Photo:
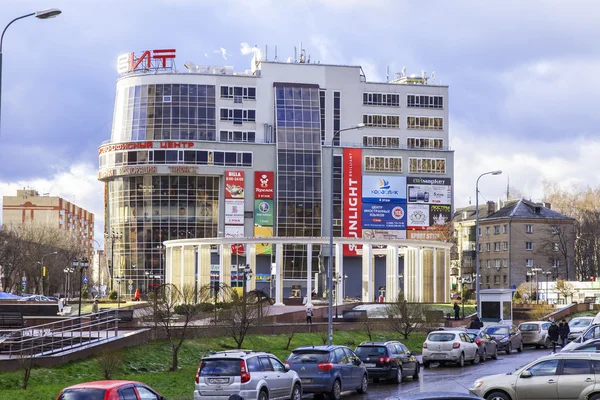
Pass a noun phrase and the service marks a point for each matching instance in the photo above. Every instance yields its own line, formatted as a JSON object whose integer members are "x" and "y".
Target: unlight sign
{"x": 352, "y": 184}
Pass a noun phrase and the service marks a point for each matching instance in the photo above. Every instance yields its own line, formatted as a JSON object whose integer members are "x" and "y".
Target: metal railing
{"x": 68, "y": 334}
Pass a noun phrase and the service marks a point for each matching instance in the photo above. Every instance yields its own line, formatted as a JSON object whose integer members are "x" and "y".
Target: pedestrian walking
{"x": 553, "y": 334}
{"x": 564, "y": 331}
{"x": 456, "y": 310}
{"x": 476, "y": 324}
{"x": 309, "y": 314}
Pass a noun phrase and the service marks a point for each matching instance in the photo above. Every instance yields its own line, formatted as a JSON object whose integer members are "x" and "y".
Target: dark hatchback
{"x": 388, "y": 360}
{"x": 506, "y": 336}
{"x": 328, "y": 370}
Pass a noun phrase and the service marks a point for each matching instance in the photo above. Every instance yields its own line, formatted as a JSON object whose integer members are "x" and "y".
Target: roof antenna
{"x": 266, "y": 52}
{"x": 387, "y": 74}
{"x": 469, "y": 200}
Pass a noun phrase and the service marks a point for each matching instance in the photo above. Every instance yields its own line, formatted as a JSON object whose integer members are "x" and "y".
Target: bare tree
{"x": 557, "y": 244}
{"x": 564, "y": 289}
{"x": 26, "y": 363}
{"x": 109, "y": 361}
{"x": 244, "y": 313}
{"x": 291, "y": 331}
{"x": 404, "y": 317}
{"x": 366, "y": 325}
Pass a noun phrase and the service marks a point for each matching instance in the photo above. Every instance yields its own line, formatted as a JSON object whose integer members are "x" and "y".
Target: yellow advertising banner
{"x": 263, "y": 231}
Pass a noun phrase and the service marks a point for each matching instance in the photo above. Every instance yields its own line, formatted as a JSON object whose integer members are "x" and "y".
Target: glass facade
{"x": 298, "y": 130}
{"x": 337, "y": 195}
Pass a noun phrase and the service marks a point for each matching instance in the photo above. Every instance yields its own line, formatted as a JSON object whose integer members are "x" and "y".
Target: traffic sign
{"x": 130, "y": 282}
{"x": 85, "y": 279}
{"x": 24, "y": 282}
{"x": 130, "y": 288}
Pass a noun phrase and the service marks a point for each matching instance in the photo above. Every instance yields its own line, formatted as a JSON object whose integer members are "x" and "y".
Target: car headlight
{"x": 504, "y": 339}
{"x": 476, "y": 384}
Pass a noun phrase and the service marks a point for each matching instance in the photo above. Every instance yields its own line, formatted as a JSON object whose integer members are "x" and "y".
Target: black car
{"x": 507, "y": 336}
{"x": 388, "y": 360}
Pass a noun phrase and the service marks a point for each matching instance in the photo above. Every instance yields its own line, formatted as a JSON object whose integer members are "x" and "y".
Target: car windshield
{"x": 497, "y": 330}
{"x": 579, "y": 323}
{"x": 308, "y": 357}
{"x": 441, "y": 337}
{"x": 528, "y": 327}
{"x": 82, "y": 394}
{"x": 370, "y": 351}
{"x": 220, "y": 367}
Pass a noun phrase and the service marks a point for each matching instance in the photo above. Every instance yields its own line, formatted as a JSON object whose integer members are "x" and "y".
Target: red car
{"x": 109, "y": 390}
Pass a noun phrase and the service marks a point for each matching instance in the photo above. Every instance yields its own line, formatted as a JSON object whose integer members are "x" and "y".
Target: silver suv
{"x": 249, "y": 374}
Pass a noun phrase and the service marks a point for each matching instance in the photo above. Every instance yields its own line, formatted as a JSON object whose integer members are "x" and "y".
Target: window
{"x": 425, "y": 143}
{"x": 504, "y": 246}
{"x": 487, "y": 230}
{"x": 488, "y": 247}
{"x": 554, "y": 230}
{"x": 479, "y": 232}
{"x": 576, "y": 367}
{"x": 381, "y": 99}
{"x": 424, "y": 101}
{"x": 146, "y": 394}
{"x": 427, "y": 165}
{"x": 488, "y": 263}
{"x": 555, "y": 263}
{"x": 505, "y": 263}
{"x": 337, "y": 110}
{"x": 235, "y": 92}
{"x": 237, "y": 116}
{"x": 237, "y": 136}
{"x": 528, "y": 245}
{"x": 277, "y": 365}
{"x": 430, "y": 123}
{"x": 504, "y": 228}
{"x": 505, "y": 279}
{"x": 383, "y": 164}
{"x": 381, "y": 141}
{"x": 127, "y": 394}
{"x": 497, "y": 230}
{"x": 528, "y": 228}
{"x": 322, "y": 112}
{"x": 487, "y": 279}
{"x": 497, "y": 263}
{"x": 339, "y": 356}
{"x": 496, "y": 279}
{"x": 544, "y": 368}
{"x": 496, "y": 246}
{"x": 529, "y": 262}
{"x": 555, "y": 247}
{"x": 479, "y": 249}
{"x": 381, "y": 121}
{"x": 266, "y": 364}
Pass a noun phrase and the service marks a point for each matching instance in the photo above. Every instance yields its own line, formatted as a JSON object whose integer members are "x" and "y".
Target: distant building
{"x": 29, "y": 206}
{"x": 517, "y": 242}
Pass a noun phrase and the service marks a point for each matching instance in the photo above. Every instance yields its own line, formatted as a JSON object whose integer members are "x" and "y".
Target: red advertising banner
{"x": 234, "y": 184}
{"x": 238, "y": 249}
{"x": 264, "y": 184}
{"x": 352, "y": 195}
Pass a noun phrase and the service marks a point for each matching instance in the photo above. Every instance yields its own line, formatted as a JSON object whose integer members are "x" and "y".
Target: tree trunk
{"x": 26, "y": 375}
{"x": 175, "y": 360}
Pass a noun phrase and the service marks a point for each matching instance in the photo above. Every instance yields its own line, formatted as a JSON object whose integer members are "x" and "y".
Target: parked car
{"x": 249, "y": 374}
{"x": 388, "y": 360}
{"x": 449, "y": 346}
{"x": 578, "y": 325}
{"x": 507, "y": 337}
{"x": 486, "y": 343}
{"x": 35, "y": 297}
{"x": 101, "y": 390}
{"x": 557, "y": 376}
{"x": 535, "y": 333}
{"x": 329, "y": 370}
{"x": 592, "y": 332}
{"x": 440, "y": 396}
{"x": 590, "y": 346}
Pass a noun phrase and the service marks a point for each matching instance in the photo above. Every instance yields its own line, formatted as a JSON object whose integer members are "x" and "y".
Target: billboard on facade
{"x": 384, "y": 234}
{"x": 238, "y": 249}
{"x": 424, "y": 235}
{"x": 234, "y": 231}
{"x": 417, "y": 216}
{"x": 352, "y": 201}
{"x": 264, "y": 184}
{"x": 383, "y": 216}
{"x": 383, "y": 189}
{"x": 429, "y": 190}
{"x": 263, "y": 212}
{"x": 439, "y": 215}
{"x": 234, "y": 212}
{"x": 263, "y": 231}
{"x": 234, "y": 184}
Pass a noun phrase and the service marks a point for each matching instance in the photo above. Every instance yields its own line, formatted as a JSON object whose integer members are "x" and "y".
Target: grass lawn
{"x": 449, "y": 308}
{"x": 588, "y": 313}
{"x": 149, "y": 363}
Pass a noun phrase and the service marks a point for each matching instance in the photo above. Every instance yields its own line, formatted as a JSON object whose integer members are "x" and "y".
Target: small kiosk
{"x": 496, "y": 306}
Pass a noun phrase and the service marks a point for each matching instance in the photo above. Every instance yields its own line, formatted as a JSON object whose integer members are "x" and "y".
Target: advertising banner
{"x": 263, "y": 212}
{"x": 383, "y": 189}
{"x": 429, "y": 190}
{"x": 424, "y": 235}
{"x": 234, "y": 184}
{"x": 384, "y": 234}
{"x": 417, "y": 216}
{"x": 352, "y": 203}
{"x": 234, "y": 231}
{"x": 238, "y": 249}
{"x": 263, "y": 231}
{"x": 234, "y": 212}
{"x": 439, "y": 215}
{"x": 383, "y": 216}
{"x": 264, "y": 184}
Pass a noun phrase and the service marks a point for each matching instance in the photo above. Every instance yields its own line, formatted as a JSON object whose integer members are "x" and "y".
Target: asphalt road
{"x": 449, "y": 377}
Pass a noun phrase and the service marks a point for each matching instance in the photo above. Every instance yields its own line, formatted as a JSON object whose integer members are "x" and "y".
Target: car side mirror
{"x": 357, "y": 361}
{"x": 286, "y": 368}
{"x": 526, "y": 374}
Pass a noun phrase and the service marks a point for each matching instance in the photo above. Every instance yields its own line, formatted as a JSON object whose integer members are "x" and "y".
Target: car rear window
{"x": 370, "y": 351}
{"x": 220, "y": 367}
{"x": 497, "y": 330}
{"x": 528, "y": 327}
{"x": 83, "y": 394}
{"x": 579, "y": 322}
{"x": 441, "y": 337}
{"x": 308, "y": 356}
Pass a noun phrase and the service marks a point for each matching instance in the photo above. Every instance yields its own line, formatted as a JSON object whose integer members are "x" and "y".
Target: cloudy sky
{"x": 522, "y": 77}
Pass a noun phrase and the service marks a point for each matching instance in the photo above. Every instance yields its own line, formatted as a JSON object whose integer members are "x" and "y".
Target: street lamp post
{"x": 45, "y": 272}
{"x": 477, "y": 278}
{"x": 247, "y": 274}
{"x": 112, "y": 236}
{"x": 547, "y": 273}
{"x": 82, "y": 264}
{"x": 537, "y": 284}
{"x": 68, "y": 271}
{"x": 44, "y": 14}
{"x": 330, "y": 270}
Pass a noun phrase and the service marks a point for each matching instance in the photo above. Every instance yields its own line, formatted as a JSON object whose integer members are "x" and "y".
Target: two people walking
{"x": 556, "y": 332}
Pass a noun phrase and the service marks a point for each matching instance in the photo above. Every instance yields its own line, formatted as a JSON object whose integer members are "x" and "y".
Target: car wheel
{"x": 461, "y": 360}
{"x": 508, "y": 349}
{"x": 495, "y": 355}
{"x": 336, "y": 391}
{"x": 296, "y": 393}
{"x": 595, "y": 397}
{"x": 497, "y": 396}
{"x": 476, "y": 359}
{"x": 520, "y": 348}
{"x": 365, "y": 383}
{"x": 263, "y": 395}
{"x": 398, "y": 378}
{"x": 426, "y": 364}
{"x": 416, "y": 374}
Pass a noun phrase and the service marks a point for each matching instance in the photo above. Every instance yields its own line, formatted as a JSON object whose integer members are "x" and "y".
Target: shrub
{"x": 113, "y": 295}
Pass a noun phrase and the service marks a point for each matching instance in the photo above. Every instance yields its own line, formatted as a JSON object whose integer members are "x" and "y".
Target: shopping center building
{"x": 205, "y": 160}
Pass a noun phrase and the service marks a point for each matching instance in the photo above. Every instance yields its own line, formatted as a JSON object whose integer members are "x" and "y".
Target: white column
{"x": 391, "y": 273}
{"x": 182, "y": 269}
{"x": 278, "y": 274}
{"x": 168, "y": 265}
{"x": 339, "y": 269}
{"x": 446, "y": 267}
{"x": 367, "y": 273}
{"x": 419, "y": 275}
{"x": 435, "y": 299}
{"x": 309, "y": 274}
{"x": 251, "y": 259}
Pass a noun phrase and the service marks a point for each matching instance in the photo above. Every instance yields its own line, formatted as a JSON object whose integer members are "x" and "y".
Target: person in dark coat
{"x": 553, "y": 334}
{"x": 564, "y": 331}
{"x": 476, "y": 324}
{"x": 456, "y": 310}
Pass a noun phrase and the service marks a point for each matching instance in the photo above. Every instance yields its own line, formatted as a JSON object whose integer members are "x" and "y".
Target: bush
{"x": 113, "y": 295}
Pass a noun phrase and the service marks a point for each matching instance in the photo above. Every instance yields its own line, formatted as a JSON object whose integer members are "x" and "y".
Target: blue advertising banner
{"x": 383, "y": 216}
{"x": 383, "y": 189}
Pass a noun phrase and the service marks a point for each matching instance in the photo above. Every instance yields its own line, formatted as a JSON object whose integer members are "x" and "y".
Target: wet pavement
{"x": 449, "y": 377}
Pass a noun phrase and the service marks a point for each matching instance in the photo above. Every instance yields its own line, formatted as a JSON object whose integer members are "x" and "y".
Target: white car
{"x": 535, "y": 333}
{"x": 450, "y": 346}
{"x": 578, "y": 325}
{"x": 35, "y": 297}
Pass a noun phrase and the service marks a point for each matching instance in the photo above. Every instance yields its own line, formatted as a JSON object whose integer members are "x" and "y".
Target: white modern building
{"x": 209, "y": 156}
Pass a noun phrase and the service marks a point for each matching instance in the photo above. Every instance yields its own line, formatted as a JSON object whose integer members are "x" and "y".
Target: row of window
{"x": 198, "y": 157}
{"x": 425, "y": 143}
{"x": 237, "y": 136}
{"x": 427, "y": 165}
{"x": 381, "y": 99}
{"x": 393, "y": 121}
{"x": 412, "y": 100}
{"x": 381, "y": 121}
{"x": 238, "y": 115}
{"x": 383, "y": 164}
{"x": 497, "y": 279}
{"x": 232, "y": 92}
{"x": 497, "y": 247}
{"x": 433, "y": 123}
{"x": 424, "y": 101}
{"x": 528, "y": 229}
{"x": 393, "y": 142}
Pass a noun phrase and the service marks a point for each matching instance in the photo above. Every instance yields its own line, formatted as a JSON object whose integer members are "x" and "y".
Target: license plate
{"x": 439, "y": 355}
{"x": 370, "y": 365}
{"x": 218, "y": 380}
{"x": 306, "y": 380}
